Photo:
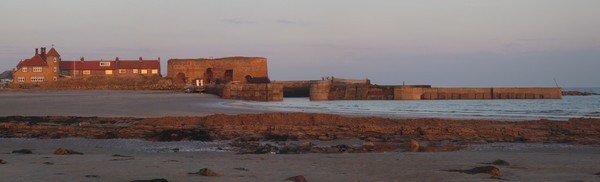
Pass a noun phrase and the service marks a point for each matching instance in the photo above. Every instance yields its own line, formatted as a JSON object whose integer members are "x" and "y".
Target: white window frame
{"x": 104, "y": 63}
{"x": 135, "y": 71}
{"x": 24, "y": 69}
{"x": 37, "y": 79}
{"x": 37, "y": 69}
{"x": 21, "y": 79}
{"x": 122, "y": 71}
{"x": 55, "y": 79}
{"x": 144, "y": 71}
{"x": 87, "y": 72}
{"x": 154, "y": 71}
{"x": 108, "y": 72}
{"x": 55, "y": 69}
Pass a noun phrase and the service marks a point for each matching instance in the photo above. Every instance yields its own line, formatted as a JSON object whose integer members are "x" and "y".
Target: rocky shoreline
{"x": 244, "y": 130}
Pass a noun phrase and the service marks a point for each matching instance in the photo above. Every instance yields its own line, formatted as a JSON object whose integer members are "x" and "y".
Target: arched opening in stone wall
{"x": 181, "y": 76}
{"x": 208, "y": 75}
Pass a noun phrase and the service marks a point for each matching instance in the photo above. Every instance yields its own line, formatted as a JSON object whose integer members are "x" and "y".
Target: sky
{"x": 451, "y": 43}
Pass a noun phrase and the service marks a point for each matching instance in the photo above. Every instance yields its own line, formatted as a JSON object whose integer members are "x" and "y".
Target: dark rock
{"x": 298, "y": 178}
{"x": 205, "y": 172}
{"x": 491, "y": 170}
{"x": 241, "y": 169}
{"x": 2, "y": 161}
{"x": 501, "y": 162}
{"x": 119, "y": 155}
{"x": 199, "y": 134}
{"x": 91, "y": 176}
{"x": 151, "y": 180}
{"x": 48, "y": 163}
{"x": 63, "y": 151}
{"x": 22, "y": 151}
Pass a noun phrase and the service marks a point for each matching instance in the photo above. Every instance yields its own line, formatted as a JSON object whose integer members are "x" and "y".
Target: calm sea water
{"x": 559, "y": 109}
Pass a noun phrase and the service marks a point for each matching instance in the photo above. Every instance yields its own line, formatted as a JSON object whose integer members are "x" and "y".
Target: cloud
{"x": 237, "y": 21}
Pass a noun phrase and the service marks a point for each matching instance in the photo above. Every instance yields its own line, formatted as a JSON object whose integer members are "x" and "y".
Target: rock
{"x": 298, "y": 178}
{"x": 63, "y": 151}
{"x": 2, "y": 161}
{"x": 205, "y": 172}
{"x": 491, "y": 170}
{"x": 151, "y": 180}
{"x": 500, "y": 162}
{"x": 412, "y": 146}
{"x": 91, "y": 176}
{"x": 48, "y": 163}
{"x": 22, "y": 151}
{"x": 305, "y": 145}
{"x": 241, "y": 169}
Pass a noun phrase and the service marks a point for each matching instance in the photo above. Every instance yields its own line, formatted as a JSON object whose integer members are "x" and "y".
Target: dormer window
{"x": 37, "y": 69}
{"x": 104, "y": 63}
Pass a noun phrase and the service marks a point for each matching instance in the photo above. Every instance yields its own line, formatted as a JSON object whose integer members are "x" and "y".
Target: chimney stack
{"x": 36, "y": 51}
{"x": 43, "y": 50}
{"x": 117, "y": 59}
{"x": 140, "y": 58}
{"x": 81, "y": 59}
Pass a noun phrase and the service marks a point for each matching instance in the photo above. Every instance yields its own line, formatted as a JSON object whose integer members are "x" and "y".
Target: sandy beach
{"x": 536, "y": 150}
{"x": 550, "y": 163}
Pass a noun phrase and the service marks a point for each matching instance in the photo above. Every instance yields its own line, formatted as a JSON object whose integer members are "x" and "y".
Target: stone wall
{"x": 326, "y": 90}
{"x": 196, "y": 69}
{"x": 420, "y": 93}
{"x": 254, "y": 92}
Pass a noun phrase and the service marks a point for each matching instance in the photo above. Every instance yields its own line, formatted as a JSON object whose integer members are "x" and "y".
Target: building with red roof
{"x": 49, "y": 66}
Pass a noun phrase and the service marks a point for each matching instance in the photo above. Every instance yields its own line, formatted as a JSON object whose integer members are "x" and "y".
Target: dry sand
{"x": 542, "y": 163}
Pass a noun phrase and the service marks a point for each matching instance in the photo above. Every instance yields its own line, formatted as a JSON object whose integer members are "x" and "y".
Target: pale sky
{"x": 444, "y": 43}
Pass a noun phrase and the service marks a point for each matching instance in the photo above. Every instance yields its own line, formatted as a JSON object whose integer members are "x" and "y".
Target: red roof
{"x": 95, "y": 65}
{"x": 133, "y": 64}
{"x": 53, "y": 52}
{"x": 36, "y": 60}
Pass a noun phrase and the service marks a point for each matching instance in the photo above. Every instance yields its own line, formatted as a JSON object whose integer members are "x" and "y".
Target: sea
{"x": 518, "y": 109}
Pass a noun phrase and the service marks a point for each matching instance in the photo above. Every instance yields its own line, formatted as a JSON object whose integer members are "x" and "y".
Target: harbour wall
{"x": 328, "y": 90}
{"x": 253, "y": 92}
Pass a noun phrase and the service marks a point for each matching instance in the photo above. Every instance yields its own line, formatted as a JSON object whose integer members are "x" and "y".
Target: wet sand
{"x": 115, "y": 104}
{"x": 553, "y": 163}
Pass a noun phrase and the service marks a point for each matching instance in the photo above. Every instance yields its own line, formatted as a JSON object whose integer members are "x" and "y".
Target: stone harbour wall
{"x": 254, "y": 92}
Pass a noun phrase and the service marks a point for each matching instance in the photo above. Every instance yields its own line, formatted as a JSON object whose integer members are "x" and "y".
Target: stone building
{"x": 50, "y": 67}
{"x": 229, "y": 69}
{"x": 39, "y": 68}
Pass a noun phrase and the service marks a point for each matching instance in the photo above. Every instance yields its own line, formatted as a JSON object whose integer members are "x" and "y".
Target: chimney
{"x": 159, "y": 59}
{"x": 117, "y": 59}
{"x": 43, "y": 50}
{"x": 140, "y": 58}
{"x": 36, "y": 51}
{"x": 81, "y": 59}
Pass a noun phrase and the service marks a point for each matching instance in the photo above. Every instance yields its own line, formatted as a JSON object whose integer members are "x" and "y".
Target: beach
{"x": 143, "y": 135}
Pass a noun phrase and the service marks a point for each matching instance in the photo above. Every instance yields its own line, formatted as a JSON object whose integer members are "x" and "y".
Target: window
{"x": 154, "y": 71}
{"x": 104, "y": 63}
{"x": 135, "y": 71}
{"x": 144, "y": 71}
{"x": 55, "y": 69}
{"x": 121, "y": 71}
{"x": 24, "y": 69}
{"x": 75, "y": 72}
{"x": 54, "y": 78}
{"x": 86, "y": 72}
{"x": 55, "y": 59}
{"x": 108, "y": 72}
{"x": 63, "y": 72}
{"x": 37, "y": 69}
{"x": 21, "y": 79}
{"x": 37, "y": 79}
